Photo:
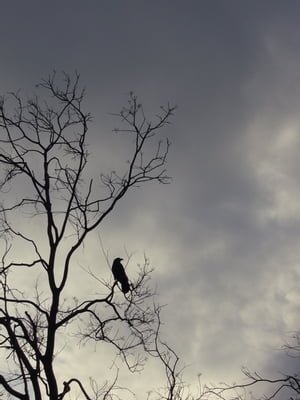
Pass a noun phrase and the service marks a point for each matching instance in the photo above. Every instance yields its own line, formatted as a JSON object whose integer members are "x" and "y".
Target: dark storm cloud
{"x": 224, "y": 235}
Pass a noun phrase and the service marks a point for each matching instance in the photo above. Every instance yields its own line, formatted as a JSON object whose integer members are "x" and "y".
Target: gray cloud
{"x": 224, "y": 235}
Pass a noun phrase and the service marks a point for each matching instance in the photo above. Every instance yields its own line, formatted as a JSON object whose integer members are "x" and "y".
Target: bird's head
{"x": 118, "y": 259}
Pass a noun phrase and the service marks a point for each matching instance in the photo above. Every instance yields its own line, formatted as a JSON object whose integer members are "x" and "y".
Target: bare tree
{"x": 43, "y": 155}
{"x": 258, "y": 385}
{"x": 175, "y": 387}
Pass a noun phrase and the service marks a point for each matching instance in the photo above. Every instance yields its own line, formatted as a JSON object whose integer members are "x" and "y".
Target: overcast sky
{"x": 224, "y": 236}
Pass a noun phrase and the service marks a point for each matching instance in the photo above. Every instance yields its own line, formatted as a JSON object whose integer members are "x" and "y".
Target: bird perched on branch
{"x": 120, "y": 274}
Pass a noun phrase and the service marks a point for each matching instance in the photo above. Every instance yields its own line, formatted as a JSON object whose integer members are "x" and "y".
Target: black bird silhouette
{"x": 120, "y": 274}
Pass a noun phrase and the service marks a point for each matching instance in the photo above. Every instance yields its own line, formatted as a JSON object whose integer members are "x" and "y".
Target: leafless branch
{"x": 43, "y": 159}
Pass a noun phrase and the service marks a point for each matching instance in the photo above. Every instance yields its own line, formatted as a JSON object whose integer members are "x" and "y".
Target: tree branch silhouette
{"x": 43, "y": 157}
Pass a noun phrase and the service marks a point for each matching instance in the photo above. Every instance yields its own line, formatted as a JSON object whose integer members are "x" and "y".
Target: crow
{"x": 120, "y": 274}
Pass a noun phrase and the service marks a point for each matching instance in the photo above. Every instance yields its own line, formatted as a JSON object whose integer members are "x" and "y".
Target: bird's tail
{"x": 125, "y": 286}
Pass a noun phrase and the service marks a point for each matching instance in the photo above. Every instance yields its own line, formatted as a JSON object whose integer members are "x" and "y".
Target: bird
{"x": 120, "y": 274}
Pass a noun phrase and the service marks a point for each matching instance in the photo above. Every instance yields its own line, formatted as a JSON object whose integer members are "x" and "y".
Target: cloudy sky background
{"x": 224, "y": 236}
